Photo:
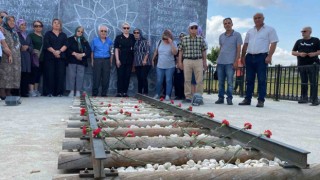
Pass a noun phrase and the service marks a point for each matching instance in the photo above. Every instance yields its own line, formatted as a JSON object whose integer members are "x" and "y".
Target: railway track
{"x": 143, "y": 138}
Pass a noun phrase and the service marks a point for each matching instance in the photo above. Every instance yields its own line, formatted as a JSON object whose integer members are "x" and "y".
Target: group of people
{"x": 180, "y": 65}
{"x": 257, "y": 51}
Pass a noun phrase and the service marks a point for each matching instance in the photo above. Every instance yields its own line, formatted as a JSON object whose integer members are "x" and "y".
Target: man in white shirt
{"x": 259, "y": 45}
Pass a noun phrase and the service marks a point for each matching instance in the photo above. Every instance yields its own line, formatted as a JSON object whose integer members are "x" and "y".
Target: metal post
{"x": 277, "y": 85}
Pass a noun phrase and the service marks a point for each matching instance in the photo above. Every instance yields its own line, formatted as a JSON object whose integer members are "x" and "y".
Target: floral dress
{"x": 10, "y": 74}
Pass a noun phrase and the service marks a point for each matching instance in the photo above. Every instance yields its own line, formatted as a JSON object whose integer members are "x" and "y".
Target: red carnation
{"x": 194, "y": 133}
{"x": 109, "y": 105}
{"x": 210, "y": 114}
{"x": 96, "y": 132}
{"x": 127, "y": 113}
{"x": 172, "y": 101}
{"x": 129, "y": 134}
{"x": 247, "y": 125}
{"x": 190, "y": 108}
{"x": 104, "y": 118}
{"x": 138, "y": 109}
{"x": 82, "y": 111}
{"x": 106, "y": 112}
{"x": 84, "y": 94}
{"x": 135, "y": 106}
{"x": 139, "y": 101}
{"x": 225, "y": 123}
{"x": 179, "y": 105}
{"x": 84, "y": 130}
{"x": 121, "y": 111}
{"x": 161, "y": 99}
{"x": 267, "y": 133}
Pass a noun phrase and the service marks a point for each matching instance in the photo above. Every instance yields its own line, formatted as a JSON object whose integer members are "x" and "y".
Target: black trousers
{"x": 24, "y": 84}
{"x": 239, "y": 83}
{"x": 123, "y": 73}
{"x": 101, "y": 74}
{"x": 54, "y": 76}
{"x": 142, "y": 76}
{"x": 309, "y": 74}
{"x": 178, "y": 83}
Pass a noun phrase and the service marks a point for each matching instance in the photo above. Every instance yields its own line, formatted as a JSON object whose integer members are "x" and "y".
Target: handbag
{"x": 157, "y": 56}
{"x": 36, "y": 57}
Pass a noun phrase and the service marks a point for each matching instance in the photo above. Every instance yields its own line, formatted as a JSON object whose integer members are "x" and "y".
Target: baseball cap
{"x": 193, "y": 24}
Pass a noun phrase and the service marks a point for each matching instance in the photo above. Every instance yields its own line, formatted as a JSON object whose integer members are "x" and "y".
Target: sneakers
{"x": 245, "y": 102}
{"x": 32, "y": 94}
{"x": 37, "y": 93}
{"x": 303, "y": 101}
{"x": 229, "y": 102}
{"x": 167, "y": 98}
{"x": 315, "y": 103}
{"x": 220, "y": 101}
{"x": 260, "y": 104}
{"x": 71, "y": 94}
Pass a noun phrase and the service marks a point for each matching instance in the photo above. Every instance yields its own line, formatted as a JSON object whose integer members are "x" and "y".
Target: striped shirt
{"x": 192, "y": 47}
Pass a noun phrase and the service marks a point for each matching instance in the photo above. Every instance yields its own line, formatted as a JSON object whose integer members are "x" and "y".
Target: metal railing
{"x": 283, "y": 82}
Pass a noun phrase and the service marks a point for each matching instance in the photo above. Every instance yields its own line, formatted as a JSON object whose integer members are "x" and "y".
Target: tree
{"x": 213, "y": 55}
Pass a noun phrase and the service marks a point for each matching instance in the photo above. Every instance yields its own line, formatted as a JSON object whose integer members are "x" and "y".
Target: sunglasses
{"x": 80, "y": 31}
{"x": 127, "y": 28}
{"x": 303, "y": 31}
{"x": 103, "y": 30}
{"x": 136, "y": 32}
{"x": 37, "y": 26}
{"x": 194, "y": 27}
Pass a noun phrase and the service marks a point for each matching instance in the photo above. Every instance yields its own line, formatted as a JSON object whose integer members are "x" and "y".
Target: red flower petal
{"x": 225, "y": 122}
{"x": 172, "y": 101}
{"x": 106, "y": 112}
{"x": 210, "y": 114}
{"x": 109, "y": 105}
{"x": 121, "y": 111}
{"x": 161, "y": 99}
{"x": 194, "y": 133}
{"x": 267, "y": 133}
{"x": 104, "y": 118}
{"x": 179, "y": 105}
{"x": 84, "y": 130}
{"x": 135, "y": 106}
{"x": 190, "y": 108}
{"x": 96, "y": 132}
{"x": 129, "y": 134}
{"x": 247, "y": 125}
{"x": 139, "y": 101}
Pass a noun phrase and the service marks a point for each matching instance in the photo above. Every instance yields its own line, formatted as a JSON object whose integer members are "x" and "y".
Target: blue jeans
{"x": 225, "y": 71}
{"x": 160, "y": 74}
{"x": 255, "y": 64}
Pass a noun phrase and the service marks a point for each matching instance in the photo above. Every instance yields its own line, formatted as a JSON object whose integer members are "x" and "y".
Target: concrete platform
{"x": 31, "y": 133}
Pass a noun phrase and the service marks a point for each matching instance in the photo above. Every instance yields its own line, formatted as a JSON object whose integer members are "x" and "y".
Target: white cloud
{"x": 283, "y": 57}
{"x": 260, "y": 4}
{"x": 215, "y": 28}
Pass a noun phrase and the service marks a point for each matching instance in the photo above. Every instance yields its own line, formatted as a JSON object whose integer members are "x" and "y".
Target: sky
{"x": 288, "y": 17}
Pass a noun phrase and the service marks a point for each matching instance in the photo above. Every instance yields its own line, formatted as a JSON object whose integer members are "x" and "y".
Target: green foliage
{"x": 213, "y": 55}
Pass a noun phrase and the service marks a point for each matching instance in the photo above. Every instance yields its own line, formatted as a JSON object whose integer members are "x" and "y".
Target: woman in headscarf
{"x": 55, "y": 45}
{"x": 37, "y": 57}
{"x": 10, "y": 66}
{"x": 78, "y": 52}
{"x": 142, "y": 62}
{"x": 26, "y": 51}
{"x": 166, "y": 51}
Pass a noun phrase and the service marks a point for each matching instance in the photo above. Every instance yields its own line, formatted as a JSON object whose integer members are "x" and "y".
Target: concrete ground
{"x": 31, "y": 133}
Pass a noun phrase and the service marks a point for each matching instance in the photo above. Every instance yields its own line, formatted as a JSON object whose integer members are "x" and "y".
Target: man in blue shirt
{"x": 101, "y": 61}
{"x": 230, "y": 47}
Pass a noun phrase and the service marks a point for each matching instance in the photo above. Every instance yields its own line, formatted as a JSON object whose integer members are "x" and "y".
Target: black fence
{"x": 283, "y": 82}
